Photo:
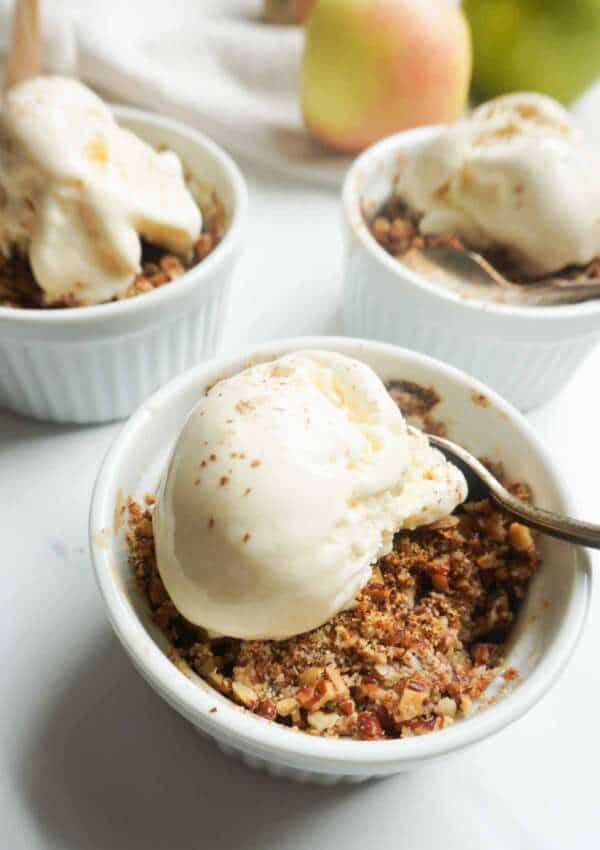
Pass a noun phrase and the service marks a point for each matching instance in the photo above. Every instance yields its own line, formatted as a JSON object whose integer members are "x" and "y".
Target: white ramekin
{"x": 545, "y": 635}
{"x": 94, "y": 364}
{"x": 524, "y": 353}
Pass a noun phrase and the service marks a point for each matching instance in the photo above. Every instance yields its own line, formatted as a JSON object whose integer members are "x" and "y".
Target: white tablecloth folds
{"x": 211, "y": 63}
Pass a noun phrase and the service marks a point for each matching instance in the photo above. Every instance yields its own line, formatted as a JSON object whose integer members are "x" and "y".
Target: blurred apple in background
{"x": 374, "y": 67}
{"x": 551, "y": 46}
{"x": 303, "y": 8}
{"x": 287, "y": 11}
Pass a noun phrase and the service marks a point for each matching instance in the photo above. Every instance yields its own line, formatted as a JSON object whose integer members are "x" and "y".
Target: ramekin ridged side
{"x": 108, "y": 378}
{"x": 96, "y": 364}
{"x": 526, "y": 354}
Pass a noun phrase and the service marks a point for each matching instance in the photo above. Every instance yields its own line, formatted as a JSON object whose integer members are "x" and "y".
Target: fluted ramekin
{"x": 525, "y": 353}
{"x": 544, "y": 637}
{"x": 94, "y": 364}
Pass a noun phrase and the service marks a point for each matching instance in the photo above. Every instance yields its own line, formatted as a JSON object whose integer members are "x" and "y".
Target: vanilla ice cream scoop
{"x": 286, "y": 484}
{"x": 514, "y": 174}
{"x": 77, "y": 192}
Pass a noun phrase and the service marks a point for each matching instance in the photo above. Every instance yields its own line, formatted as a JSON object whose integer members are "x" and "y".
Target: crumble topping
{"x": 416, "y": 403}
{"x": 422, "y": 640}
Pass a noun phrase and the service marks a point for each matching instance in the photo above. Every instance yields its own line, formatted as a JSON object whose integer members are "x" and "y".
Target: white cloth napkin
{"x": 210, "y": 63}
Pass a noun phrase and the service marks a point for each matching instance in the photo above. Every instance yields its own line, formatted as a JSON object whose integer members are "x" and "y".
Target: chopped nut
{"x": 324, "y": 692}
{"x": 387, "y": 673}
{"x": 482, "y": 653}
{"x": 172, "y": 266}
{"x": 376, "y": 576}
{"x": 346, "y": 706}
{"x": 495, "y": 527}
{"x": 266, "y": 708}
{"x": 305, "y": 697}
{"x": 337, "y": 680}
{"x": 369, "y": 726}
{"x": 311, "y": 675}
{"x": 246, "y": 695}
{"x": 439, "y": 570}
{"x": 216, "y": 679}
{"x": 285, "y": 707}
{"x": 156, "y": 591}
{"x": 421, "y": 726}
{"x": 412, "y": 702}
{"x": 144, "y": 528}
{"x": 488, "y": 561}
{"x": 322, "y": 721}
{"x": 401, "y": 230}
{"x": 373, "y": 691}
{"x": 380, "y": 229}
{"x": 445, "y": 707}
{"x": 141, "y": 285}
{"x": 204, "y": 245}
{"x": 520, "y": 537}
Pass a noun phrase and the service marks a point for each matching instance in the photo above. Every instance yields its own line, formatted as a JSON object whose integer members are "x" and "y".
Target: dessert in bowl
{"x": 512, "y": 188}
{"x": 95, "y": 211}
{"x": 158, "y": 638}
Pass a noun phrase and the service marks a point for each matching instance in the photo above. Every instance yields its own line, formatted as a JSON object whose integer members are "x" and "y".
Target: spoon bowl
{"x": 469, "y": 273}
{"x": 482, "y": 484}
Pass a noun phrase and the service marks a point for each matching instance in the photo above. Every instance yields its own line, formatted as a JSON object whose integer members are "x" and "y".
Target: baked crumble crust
{"x": 423, "y": 639}
{"x": 18, "y": 287}
{"x": 416, "y": 403}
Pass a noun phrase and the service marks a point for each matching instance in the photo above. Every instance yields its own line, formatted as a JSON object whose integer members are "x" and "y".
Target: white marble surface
{"x": 91, "y": 759}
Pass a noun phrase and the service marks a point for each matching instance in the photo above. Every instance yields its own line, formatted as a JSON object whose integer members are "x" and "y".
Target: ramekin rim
{"x": 190, "y": 279}
{"x": 251, "y": 732}
{"x": 351, "y": 202}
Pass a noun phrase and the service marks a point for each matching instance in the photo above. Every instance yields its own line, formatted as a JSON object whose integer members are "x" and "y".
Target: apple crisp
{"x": 18, "y": 287}
{"x": 422, "y": 640}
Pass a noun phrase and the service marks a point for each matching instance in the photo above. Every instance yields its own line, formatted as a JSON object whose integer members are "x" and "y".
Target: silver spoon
{"x": 469, "y": 273}
{"x": 24, "y": 58}
{"x": 482, "y": 484}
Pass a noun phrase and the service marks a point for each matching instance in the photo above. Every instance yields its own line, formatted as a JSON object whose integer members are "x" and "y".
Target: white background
{"x": 90, "y": 757}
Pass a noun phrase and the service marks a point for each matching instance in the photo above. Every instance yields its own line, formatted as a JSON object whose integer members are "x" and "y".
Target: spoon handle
{"x": 24, "y": 54}
{"x": 555, "y": 525}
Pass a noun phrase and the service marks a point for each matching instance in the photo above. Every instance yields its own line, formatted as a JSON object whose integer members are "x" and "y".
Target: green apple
{"x": 373, "y": 67}
{"x": 550, "y": 46}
